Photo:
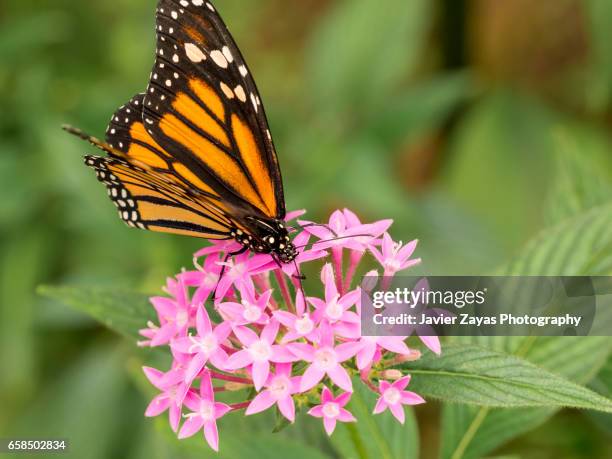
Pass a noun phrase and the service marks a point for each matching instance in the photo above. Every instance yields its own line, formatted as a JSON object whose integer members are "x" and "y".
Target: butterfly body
{"x": 267, "y": 236}
{"x": 193, "y": 154}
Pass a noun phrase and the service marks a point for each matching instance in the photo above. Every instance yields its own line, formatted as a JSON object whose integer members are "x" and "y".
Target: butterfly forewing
{"x": 202, "y": 107}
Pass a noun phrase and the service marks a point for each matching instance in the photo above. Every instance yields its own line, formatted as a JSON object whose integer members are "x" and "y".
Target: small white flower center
{"x": 331, "y": 410}
{"x": 181, "y": 318}
{"x": 392, "y": 264}
{"x": 334, "y": 310}
{"x": 207, "y": 411}
{"x": 280, "y": 387}
{"x": 210, "y": 280}
{"x": 206, "y": 344}
{"x": 260, "y": 350}
{"x": 304, "y": 325}
{"x": 392, "y": 396}
{"x": 237, "y": 271}
{"x": 251, "y": 312}
{"x": 325, "y": 359}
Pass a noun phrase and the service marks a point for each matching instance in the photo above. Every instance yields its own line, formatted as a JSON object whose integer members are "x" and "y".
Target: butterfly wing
{"x": 157, "y": 201}
{"x": 203, "y": 108}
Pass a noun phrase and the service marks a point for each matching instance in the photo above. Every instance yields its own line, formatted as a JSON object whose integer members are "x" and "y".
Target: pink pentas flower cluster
{"x": 263, "y": 335}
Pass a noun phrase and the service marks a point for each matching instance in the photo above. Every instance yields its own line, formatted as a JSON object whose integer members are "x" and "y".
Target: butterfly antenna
{"x": 92, "y": 140}
{"x": 334, "y": 239}
{"x": 307, "y": 225}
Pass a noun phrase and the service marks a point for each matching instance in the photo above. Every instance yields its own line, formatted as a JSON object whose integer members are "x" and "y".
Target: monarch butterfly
{"x": 193, "y": 155}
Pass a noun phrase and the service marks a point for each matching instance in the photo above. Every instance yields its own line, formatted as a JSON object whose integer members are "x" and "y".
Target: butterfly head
{"x": 268, "y": 236}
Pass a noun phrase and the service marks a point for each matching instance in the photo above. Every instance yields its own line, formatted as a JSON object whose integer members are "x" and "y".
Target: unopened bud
{"x": 234, "y": 386}
{"x": 411, "y": 357}
{"x": 370, "y": 280}
{"x": 392, "y": 374}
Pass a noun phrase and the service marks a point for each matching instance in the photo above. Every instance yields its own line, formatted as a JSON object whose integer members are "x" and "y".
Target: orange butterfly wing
{"x": 203, "y": 107}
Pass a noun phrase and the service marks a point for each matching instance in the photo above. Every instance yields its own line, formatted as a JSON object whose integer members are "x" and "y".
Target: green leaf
{"x": 477, "y": 376}
{"x": 473, "y": 432}
{"x": 123, "y": 311}
{"x": 582, "y": 179}
{"x": 579, "y": 246}
{"x": 603, "y": 384}
{"x": 375, "y": 436}
{"x": 568, "y": 248}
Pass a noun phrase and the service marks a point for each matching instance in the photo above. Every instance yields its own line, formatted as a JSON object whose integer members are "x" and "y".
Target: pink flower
{"x": 325, "y": 359}
{"x": 298, "y": 326}
{"x": 279, "y": 389}
{"x": 250, "y": 310}
{"x": 171, "y": 398}
{"x": 370, "y": 344}
{"x": 205, "y": 346}
{"x": 432, "y": 342}
{"x": 335, "y": 308}
{"x": 395, "y": 256}
{"x": 345, "y": 230}
{"x": 292, "y": 215}
{"x": 393, "y": 396}
{"x": 174, "y": 315}
{"x": 265, "y": 341}
{"x": 205, "y": 413}
{"x": 259, "y": 351}
{"x": 238, "y": 271}
{"x": 332, "y": 409}
{"x": 204, "y": 278}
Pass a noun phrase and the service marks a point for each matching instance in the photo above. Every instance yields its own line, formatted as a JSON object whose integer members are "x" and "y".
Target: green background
{"x": 459, "y": 119}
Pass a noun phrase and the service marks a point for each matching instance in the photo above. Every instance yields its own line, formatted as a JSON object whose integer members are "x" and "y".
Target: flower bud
{"x": 392, "y": 374}
{"x": 370, "y": 280}
{"x": 414, "y": 355}
{"x": 234, "y": 386}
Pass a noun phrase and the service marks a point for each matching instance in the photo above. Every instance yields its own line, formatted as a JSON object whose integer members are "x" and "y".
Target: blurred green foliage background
{"x": 448, "y": 116}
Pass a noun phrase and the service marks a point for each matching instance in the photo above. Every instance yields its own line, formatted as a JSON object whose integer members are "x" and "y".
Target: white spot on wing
{"x": 227, "y": 91}
{"x": 194, "y": 53}
{"x": 219, "y": 58}
{"x": 243, "y": 70}
{"x": 240, "y": 94}
{"x": 228, "y": 54}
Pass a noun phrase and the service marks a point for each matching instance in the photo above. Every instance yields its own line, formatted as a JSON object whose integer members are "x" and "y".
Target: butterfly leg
{"x": 224, "y": 266}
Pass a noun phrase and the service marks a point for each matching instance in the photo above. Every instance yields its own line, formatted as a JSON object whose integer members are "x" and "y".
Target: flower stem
{"x": 356, "y": 256}
{"x": 370, "y": 385}
{"x": 239, "y": 406}
{"x": 284, "y": 289}
{"x": 231, "y": 378}
{"x": 337, "y": 262}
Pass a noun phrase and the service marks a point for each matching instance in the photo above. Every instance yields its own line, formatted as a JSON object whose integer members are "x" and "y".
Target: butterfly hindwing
{"x": 155, "y": 201}
{"x": 202, "y": 107}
